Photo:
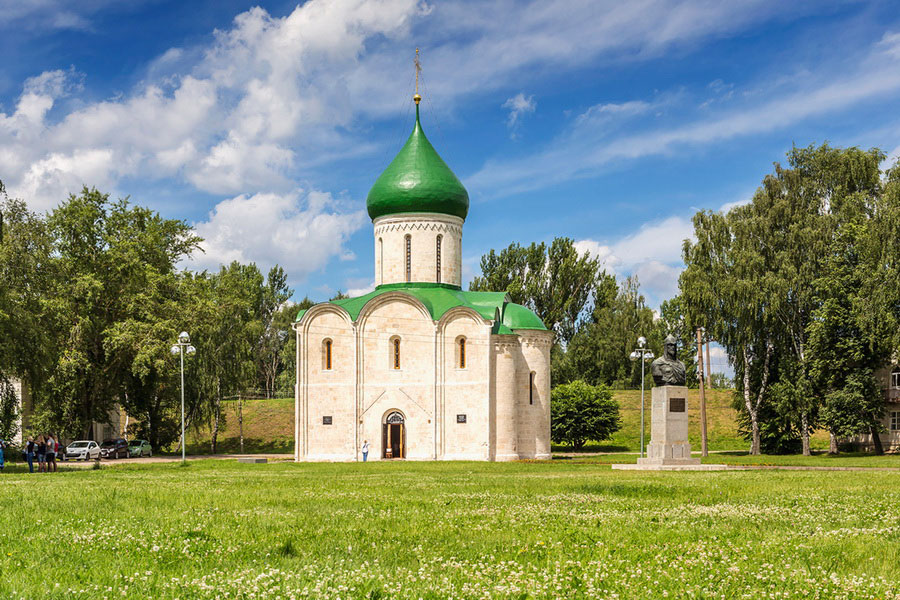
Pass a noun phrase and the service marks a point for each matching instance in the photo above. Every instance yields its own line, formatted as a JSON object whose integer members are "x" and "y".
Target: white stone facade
{"x": 435, "y": 249}
{"x": 461, "y": 391}
{"x": 496, "y": 407}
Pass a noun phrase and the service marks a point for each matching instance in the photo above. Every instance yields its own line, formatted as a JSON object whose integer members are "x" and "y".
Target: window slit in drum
{"x": 438, "y": 259}
{"x": 531, "y": 388}
{"x": 408, "y": 258}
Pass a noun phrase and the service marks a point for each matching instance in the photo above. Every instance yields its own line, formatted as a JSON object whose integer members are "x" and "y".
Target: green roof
{"x": 438, "y": 298}
{"x": 417, "y": 180}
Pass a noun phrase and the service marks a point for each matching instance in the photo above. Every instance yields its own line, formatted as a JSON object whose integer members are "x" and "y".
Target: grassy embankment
{"x": 269, "y": 427}
{"x": 566, "y": 529}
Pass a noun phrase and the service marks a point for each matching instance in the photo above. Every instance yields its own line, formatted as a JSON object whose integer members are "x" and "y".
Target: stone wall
{"x": 423, "y": 231}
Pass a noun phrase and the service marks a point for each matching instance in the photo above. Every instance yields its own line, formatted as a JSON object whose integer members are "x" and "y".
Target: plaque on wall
{"x": 326, "y": 420}
{"x": 460, "y": 418}
{"x": 676, "y": 404}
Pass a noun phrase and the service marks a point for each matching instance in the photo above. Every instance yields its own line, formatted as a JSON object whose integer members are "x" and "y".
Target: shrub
{"x": 581, "y": 412}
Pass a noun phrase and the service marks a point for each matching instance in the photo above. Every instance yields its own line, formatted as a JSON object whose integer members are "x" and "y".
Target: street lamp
{"x": 642, "y": 353}
{"x": 183, "y": 345}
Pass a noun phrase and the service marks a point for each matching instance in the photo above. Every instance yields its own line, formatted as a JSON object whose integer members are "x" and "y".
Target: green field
{"x": 269, "y": 426}
{"x": 566, "y": 529}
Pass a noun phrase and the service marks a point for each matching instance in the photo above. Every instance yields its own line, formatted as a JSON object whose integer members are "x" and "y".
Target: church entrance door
{"x": 394, "y": 436}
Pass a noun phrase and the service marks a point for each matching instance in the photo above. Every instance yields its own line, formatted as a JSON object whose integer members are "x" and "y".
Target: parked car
{"x": 117, "y": 448}
{"x": 83, "y": 450}
{"x": 139, "y": 448}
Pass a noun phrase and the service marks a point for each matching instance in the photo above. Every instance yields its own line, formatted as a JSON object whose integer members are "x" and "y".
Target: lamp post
{"x": 180, "y": 347}
{"x": 643, "y": 353}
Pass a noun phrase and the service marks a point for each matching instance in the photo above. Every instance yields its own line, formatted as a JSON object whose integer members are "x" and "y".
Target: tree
{"x": 9, "y": 410}
{"x": 274, "y": 332}
{"x": 726, "y": 284}
{"x": 559, "y": 283}
{"x": 109, "y": 259}
{"x": 25, "y": 276}
{"x": 599, "y": 352}
{"x": 582, "y": 412}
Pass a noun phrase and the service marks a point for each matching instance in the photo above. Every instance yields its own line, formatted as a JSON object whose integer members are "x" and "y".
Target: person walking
{"x": 2, "y": 446}
{"x": 365, "y": 450}
{"x": 29, "y": 453}
{"x": 51, "y": 454}
{"x": 42, "y": 453}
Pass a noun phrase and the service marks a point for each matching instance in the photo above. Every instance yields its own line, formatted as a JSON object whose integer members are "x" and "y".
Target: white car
{"x": 83, "y": 450}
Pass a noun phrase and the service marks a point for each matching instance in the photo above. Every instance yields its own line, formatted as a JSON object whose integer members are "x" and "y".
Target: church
{"x": 419, "y": 368}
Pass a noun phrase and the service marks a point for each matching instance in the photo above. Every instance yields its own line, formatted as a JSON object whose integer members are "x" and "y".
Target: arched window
{"x": 408, "y": 258}
{"x": 395, "y": 353}
{"x": 438, "y": 255}
{"x": 895, "y": 378}
{"x": 531, "y": 388}
{"x": 326, "y": 355}
{"x": 461, "y": 352}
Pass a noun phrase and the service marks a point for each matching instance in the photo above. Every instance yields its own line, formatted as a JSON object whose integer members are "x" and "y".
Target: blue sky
{"x": 265, "y": 125}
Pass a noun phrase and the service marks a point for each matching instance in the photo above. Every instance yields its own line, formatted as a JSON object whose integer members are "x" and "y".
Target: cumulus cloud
{"x": 299, "y": 230}
{"x": 235, "y": 122}
{"x": 652, "y": 253}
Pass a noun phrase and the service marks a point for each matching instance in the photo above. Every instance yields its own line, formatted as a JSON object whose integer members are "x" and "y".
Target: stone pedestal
{"x": 669, "y": 428}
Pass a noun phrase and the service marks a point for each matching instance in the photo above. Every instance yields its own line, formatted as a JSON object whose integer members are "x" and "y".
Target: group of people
{"x": 45, "y": 448}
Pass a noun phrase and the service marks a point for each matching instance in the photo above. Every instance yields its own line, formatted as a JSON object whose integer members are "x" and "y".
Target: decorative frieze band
{"x": 436, "y": 226}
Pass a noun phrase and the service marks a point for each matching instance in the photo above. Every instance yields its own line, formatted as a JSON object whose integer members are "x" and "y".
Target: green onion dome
{"x": 417, "y": 180}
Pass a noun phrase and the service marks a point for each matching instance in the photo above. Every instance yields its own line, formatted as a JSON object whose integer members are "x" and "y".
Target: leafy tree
{"x": 560, "y": 284}
{"x": 109, "y": 257}
{"x": 581, "y": 412}
{"x": 284, "y": 319}
{"x": 599, "y": 352}
{"x": 26, "y": 273}
{"x": 274, "y": 334}
{"x": 9, "y": 410}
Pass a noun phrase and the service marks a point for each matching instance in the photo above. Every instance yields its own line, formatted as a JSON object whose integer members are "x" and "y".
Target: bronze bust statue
{"x": 667, "y": 369}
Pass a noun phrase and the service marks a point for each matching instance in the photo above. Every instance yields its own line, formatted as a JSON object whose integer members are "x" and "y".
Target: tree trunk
{"x": 215, "y": 431}
{"x": 832, "y": 443}
{"x": 804, "y": 431}
{"x": 754, "y": 423}
{"x": 876, "y": 440}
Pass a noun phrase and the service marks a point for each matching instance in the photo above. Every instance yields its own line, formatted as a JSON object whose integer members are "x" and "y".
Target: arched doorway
{"x": 394, "y": 436}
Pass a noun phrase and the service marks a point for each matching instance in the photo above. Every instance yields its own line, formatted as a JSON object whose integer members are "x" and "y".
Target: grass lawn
{"x": 566, "y": 529}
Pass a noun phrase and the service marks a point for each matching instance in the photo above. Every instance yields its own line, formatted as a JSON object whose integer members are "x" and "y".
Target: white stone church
{"x": 419, "y": 368}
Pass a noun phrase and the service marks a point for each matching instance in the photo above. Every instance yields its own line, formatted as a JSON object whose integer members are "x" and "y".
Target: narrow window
{"x": 895, "y": 420}
{"x": 396, "y": 349}
{"x": 895, "y": 379}
{"x": 380, "y": 261}
{"x": 462, "y": 353}
{"x": 408, "y": 259}
{"x": 531, "y": 388}
{"x": 438, "y": 254}
{"x": 326, "y": 348}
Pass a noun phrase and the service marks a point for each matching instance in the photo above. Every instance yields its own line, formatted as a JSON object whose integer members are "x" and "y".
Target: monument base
{"x": 680, "y": 467}
{"x": 669, "y": 428}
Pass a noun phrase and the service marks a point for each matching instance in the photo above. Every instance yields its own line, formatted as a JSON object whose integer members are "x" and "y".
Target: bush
{"x": 581, "y": 412}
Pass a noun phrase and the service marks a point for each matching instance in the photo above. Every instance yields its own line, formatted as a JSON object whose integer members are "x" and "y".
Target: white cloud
{"x": 353, "y": 292}
{"x": 233, "y": 122}
{"x": 271, "y": 95}
{"x": 588, "y": 146}
{"x": 653, "y": 253}
{"x": 518, "y": 106}
{"x": 300, "y": 231}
